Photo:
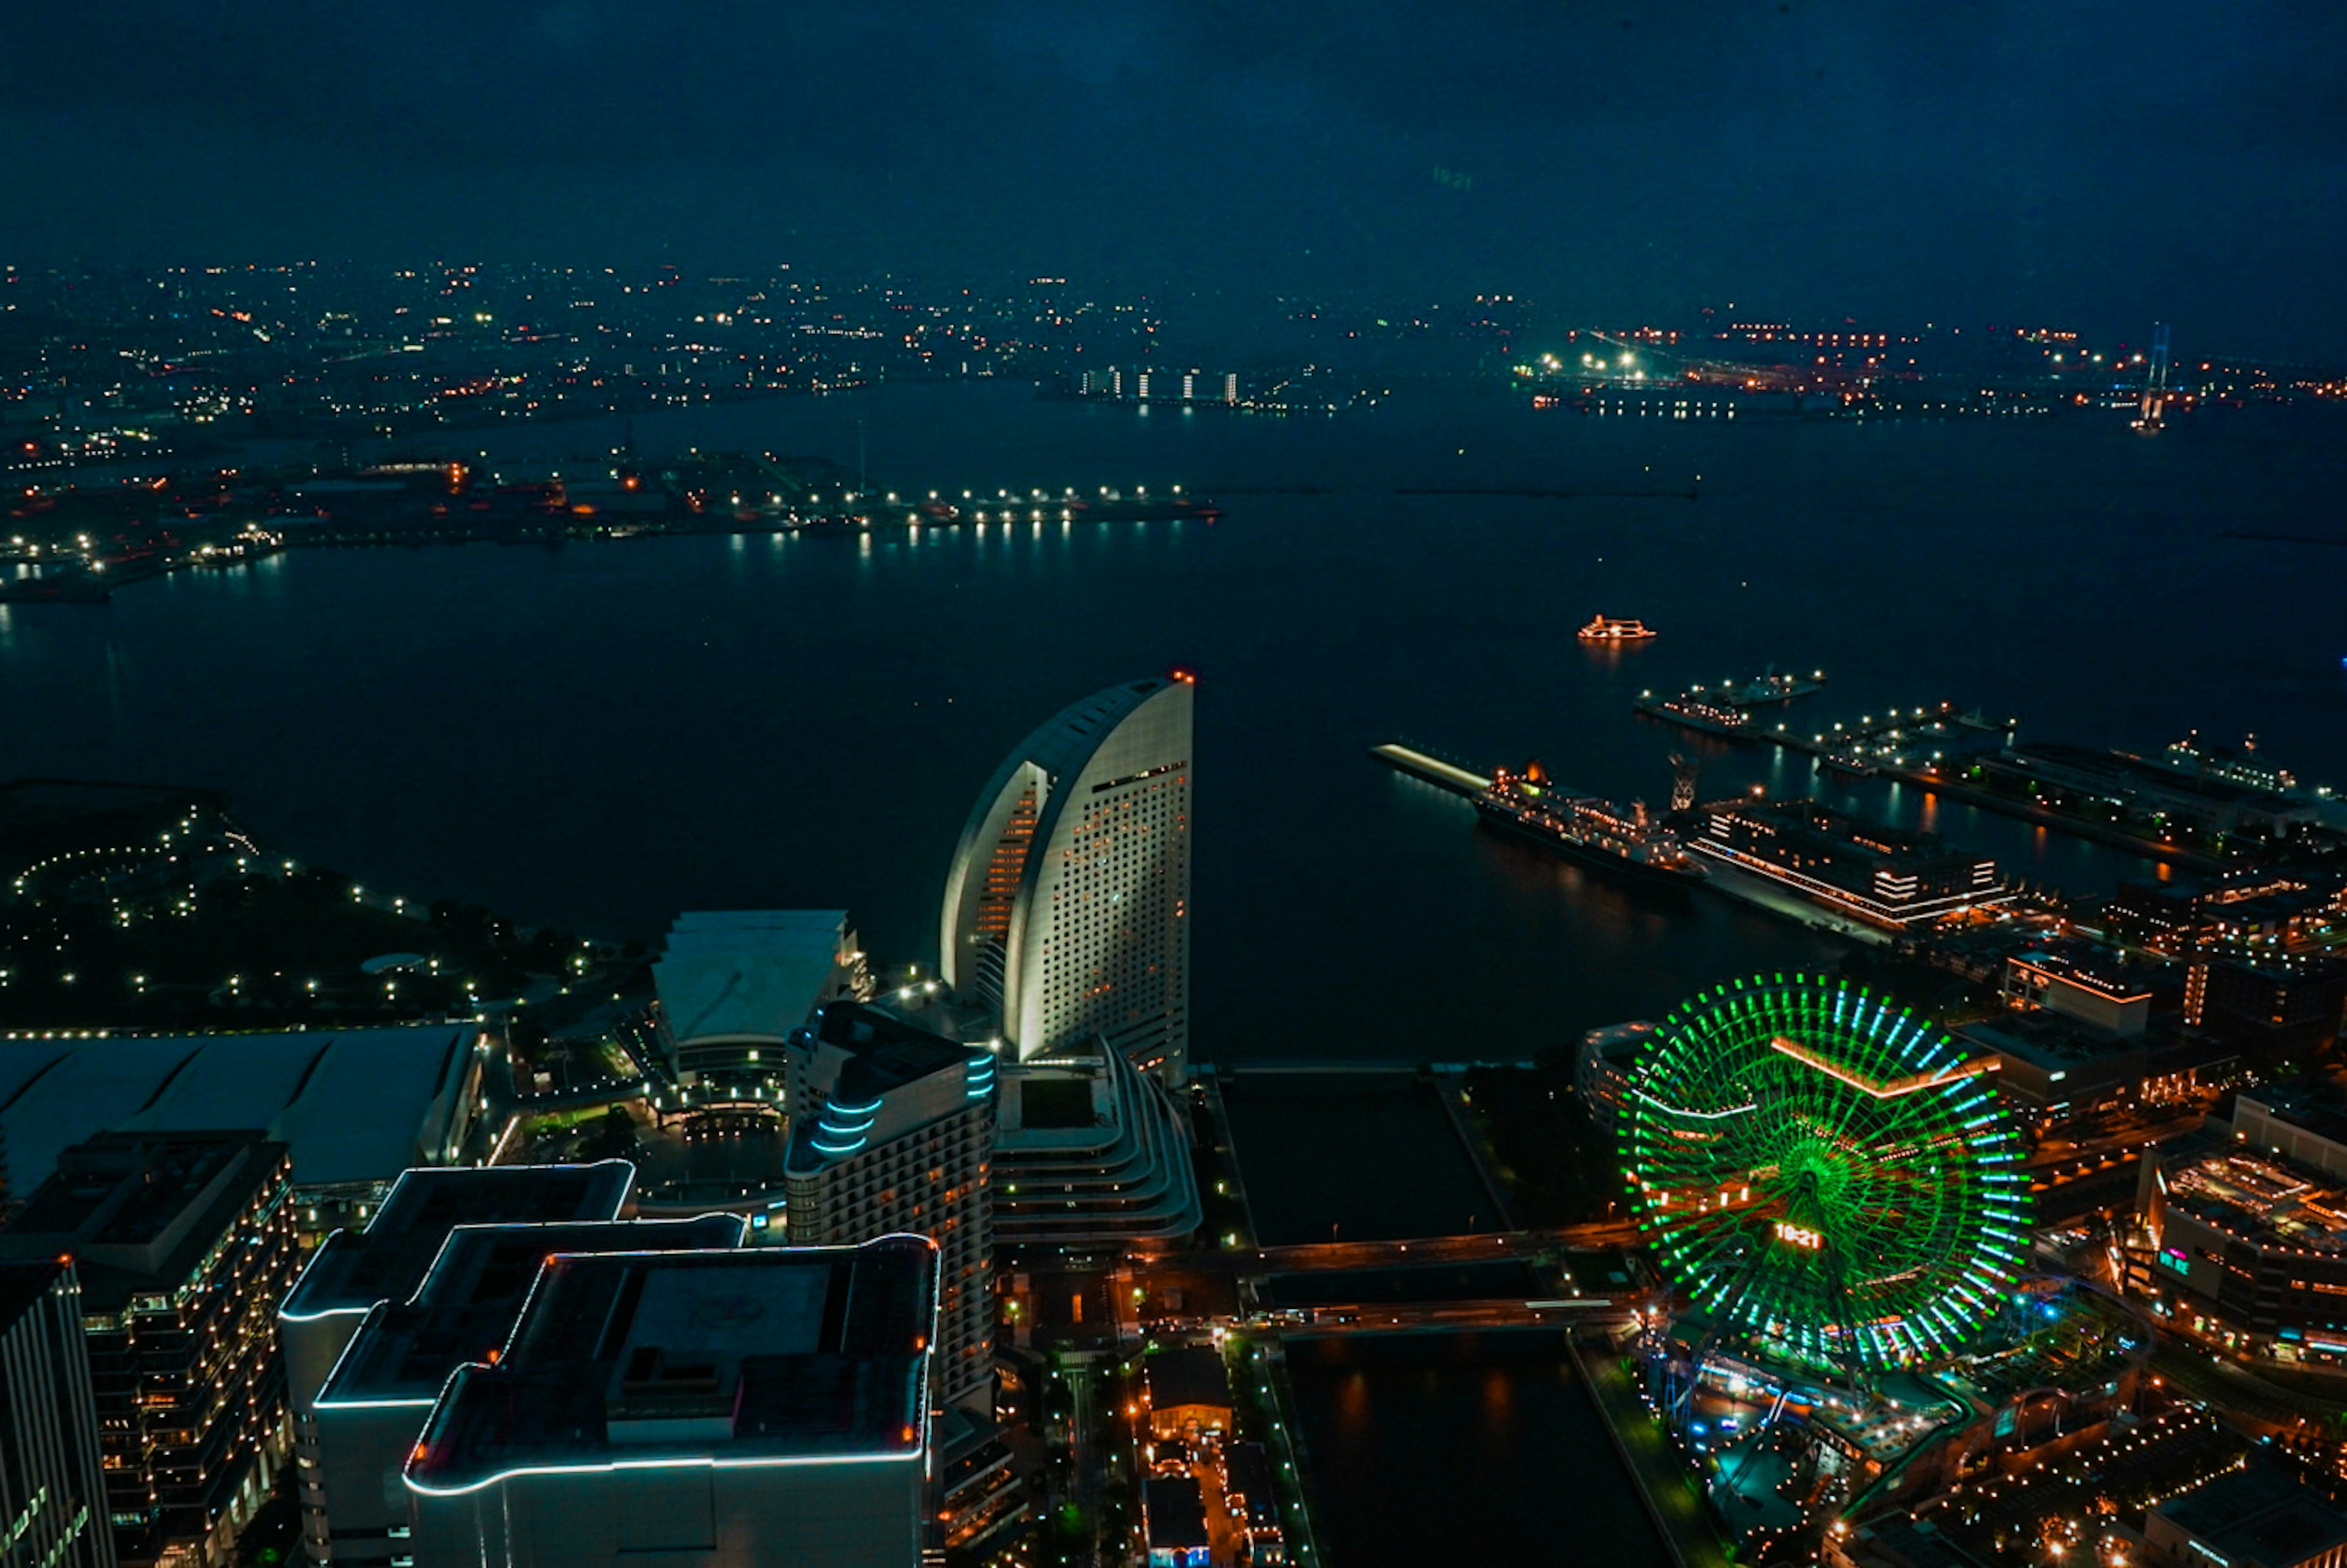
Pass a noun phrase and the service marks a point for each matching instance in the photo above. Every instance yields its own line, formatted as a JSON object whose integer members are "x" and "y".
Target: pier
{"x": 1771, "y": 897}
{"x": 164, "y": 530}
{"x": 1726, "y": 711}
{"x": 1906, "y": 743}
{"x": 1926, "y": 747}
{"x": 1418, "y": 764}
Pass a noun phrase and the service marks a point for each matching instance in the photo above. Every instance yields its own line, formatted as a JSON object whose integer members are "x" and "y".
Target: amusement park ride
{"x": 1840, "y": 1212}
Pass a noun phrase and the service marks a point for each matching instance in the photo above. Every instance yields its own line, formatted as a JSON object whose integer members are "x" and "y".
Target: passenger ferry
{"x": 1594, "y": 831}
{"x": 1609, "y": 628}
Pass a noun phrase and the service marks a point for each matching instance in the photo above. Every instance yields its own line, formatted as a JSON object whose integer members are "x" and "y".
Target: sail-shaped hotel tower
{"x": 1067, "y": 905}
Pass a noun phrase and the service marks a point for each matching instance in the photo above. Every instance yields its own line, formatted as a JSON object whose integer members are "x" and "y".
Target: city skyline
{"x": 1773, "y": 987}
{"x": 2107, "y": 163}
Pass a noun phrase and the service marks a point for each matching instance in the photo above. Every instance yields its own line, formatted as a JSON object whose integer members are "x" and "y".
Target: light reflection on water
{"x": 602, "y": 735}
{"x": 1461, "y": 1448}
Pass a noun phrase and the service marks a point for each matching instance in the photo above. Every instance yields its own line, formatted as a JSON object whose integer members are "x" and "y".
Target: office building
{"x": 732, "y": 985}
{"x": 356, "y": 1106}
{"x": 2269, "y": 1003}
{"x": 2295, "y": 1123}
{"x": 2052, "y": 1069}
{"x": 893, "y": 1131}
{"x": 372, "y": 1407}
{"x": 350, "y": 1271}
{"x": 2095, "y": 987}
{"x": 53, "y": 1508}
{"x": 2244, "y": 907}
{"x": 184, "y": 1242}
{"x": 1067, "y": 905}
{"x": 2261, "y": 1516}
{"x": 896, "y": 1136}
{"x": 747, "y": 1408}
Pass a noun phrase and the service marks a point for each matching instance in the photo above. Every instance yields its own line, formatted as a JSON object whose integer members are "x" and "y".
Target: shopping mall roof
{"x": 2265, "y": 1200}
{"x": 356, "y": 1105}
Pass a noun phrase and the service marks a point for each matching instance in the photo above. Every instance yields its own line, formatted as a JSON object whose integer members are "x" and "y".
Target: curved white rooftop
{"x": 1066, "y": 906}
{"x": 748, "y": 974}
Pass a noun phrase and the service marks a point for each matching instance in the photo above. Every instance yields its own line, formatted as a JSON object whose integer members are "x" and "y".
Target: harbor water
{"x": 602, "y": 735}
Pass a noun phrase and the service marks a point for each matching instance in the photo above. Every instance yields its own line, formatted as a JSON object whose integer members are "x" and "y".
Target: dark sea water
{"x": 1461, "y": 1448}
{"x": 1355, "y": 1156}
{"x": 602, "y": 735}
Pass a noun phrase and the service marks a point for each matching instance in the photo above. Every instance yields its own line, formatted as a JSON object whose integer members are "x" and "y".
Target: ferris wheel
{"x": 1824, "y": 1176}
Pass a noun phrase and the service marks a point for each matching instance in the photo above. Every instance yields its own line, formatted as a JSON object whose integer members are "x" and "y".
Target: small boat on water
{"x": 1613, "y": 629}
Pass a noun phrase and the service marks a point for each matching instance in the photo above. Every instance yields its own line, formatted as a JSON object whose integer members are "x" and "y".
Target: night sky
{"x": 2079, "y": 162}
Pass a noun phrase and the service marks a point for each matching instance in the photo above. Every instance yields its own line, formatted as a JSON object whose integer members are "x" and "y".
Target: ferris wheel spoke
{"x": 1817, "y": 1165}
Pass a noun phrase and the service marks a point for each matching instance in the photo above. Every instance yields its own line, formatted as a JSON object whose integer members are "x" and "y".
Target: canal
{"x": 1461, "y": 1448}
{"x": 1351, "y": 1156}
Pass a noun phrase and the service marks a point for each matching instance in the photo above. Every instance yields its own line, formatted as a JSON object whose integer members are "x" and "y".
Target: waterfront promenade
{"x": 1663, "y": 1483}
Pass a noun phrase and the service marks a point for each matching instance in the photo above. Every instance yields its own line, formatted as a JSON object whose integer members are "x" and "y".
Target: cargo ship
{"x": 1594, "y": 831}
{"x": 1612, "y": 628}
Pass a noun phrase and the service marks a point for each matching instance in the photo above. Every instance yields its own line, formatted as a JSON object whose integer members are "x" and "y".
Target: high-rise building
{"x": 893, "y": 1131}
{"x": 52, "y": 1493}
{"x": 184, "y": 1242}
{"x": 1067, "y": 905}
{"x": 730, "y": 1409}
{"x": 372, "y": 1408}
{"x": 353, "y": 1271}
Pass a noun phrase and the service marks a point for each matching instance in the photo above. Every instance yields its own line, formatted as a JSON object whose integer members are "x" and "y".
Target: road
{"x": 1333, "y": 1254}
{"x": 1087, "y": 1469}
{"x": 1439, "y": 1316}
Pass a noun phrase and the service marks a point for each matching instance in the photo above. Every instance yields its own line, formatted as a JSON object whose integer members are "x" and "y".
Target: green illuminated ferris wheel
{"x": 1823, "y": 1173}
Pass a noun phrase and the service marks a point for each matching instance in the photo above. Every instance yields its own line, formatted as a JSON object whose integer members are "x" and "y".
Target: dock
{"x": 1769, "y": 898}
{"x": 1726, "y": 709}
{"x": 1433, "y": 770}
{"x": 1910, "y": 743}
{"x": 1917, "y": 744}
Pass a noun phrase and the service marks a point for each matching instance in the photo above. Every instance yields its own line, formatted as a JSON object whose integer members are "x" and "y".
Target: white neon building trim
{"x": 917, "y": 1451}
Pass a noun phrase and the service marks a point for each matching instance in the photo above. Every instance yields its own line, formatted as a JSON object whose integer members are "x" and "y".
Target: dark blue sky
{"x": 2082, "y": 160}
